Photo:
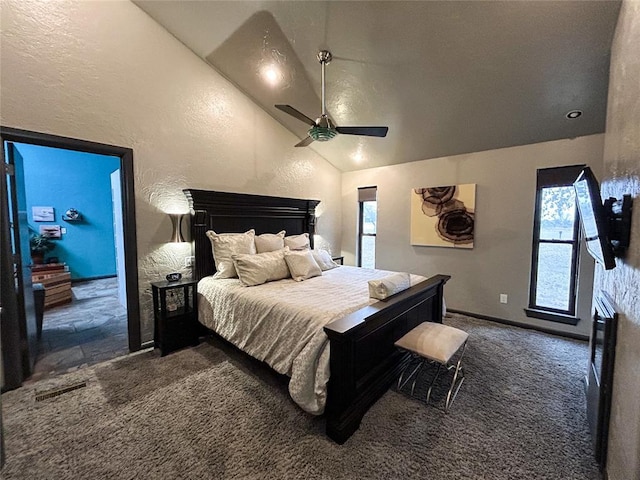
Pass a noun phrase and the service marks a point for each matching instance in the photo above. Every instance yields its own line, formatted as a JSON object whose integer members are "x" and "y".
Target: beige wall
{"x": 622, "y": 175}
{"x": 505, "y": 194}
{"x": 106, "y": 72}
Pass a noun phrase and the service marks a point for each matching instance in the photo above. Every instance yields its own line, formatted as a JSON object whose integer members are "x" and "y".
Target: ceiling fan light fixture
{"x": 322, "y": 134}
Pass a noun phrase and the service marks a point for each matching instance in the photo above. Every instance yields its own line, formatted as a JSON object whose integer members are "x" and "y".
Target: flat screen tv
{"x": 594, "y": 219}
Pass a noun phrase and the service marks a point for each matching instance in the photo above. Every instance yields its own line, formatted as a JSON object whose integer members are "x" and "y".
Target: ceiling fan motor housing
{"x": 323, "y": 130}
{"x": 324, "y": 56}
{"x": 322, "y": 134}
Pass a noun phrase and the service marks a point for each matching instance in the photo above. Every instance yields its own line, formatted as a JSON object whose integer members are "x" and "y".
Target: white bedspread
{"x": 282, "y": 322}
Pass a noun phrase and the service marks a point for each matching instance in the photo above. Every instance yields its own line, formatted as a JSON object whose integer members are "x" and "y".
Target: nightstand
{"x": 175, "y": 314}
{"x": 339, "y": 260}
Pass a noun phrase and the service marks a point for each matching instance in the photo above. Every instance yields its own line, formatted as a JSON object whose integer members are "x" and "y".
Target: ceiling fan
{"x": 323, "y": 128}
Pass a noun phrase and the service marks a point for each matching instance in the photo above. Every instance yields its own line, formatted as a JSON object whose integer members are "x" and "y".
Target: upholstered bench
{"x": 435, "y": 343}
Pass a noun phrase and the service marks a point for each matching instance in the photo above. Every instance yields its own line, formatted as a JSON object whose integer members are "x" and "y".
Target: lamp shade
{"x": 176, "y": 221}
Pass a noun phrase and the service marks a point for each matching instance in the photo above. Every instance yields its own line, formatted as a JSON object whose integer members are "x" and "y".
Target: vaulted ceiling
{"x": 447, "y": 77}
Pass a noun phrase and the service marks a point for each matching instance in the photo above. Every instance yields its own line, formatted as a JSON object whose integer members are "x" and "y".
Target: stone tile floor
{"x": 90, "y": 329}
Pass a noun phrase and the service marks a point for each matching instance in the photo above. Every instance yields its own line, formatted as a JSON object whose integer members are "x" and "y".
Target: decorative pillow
{"x": 302, "y": 265}
{"x": 261, "y": 267}
{"x": 224, "y": 245}
{"x": 269, "y": 242}
{"x": 297, "y": 242}
{"x": 323, "y": 259}
{"x": 389, "y": 285}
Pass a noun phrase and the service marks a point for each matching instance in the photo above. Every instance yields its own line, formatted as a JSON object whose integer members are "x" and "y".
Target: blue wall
{"x": 66, "y": 179}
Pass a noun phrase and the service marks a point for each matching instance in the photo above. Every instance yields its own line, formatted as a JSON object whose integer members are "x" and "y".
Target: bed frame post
{"x": 311, "y": 223}
{"x": 202, "y": 254}
{"x": 364, "y": 361}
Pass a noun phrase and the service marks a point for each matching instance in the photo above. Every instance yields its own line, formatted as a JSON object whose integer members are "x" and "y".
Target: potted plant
{"x": 40, "y": 244}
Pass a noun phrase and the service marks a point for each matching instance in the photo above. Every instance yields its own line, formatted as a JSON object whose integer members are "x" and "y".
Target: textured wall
{"x": 505, "y": 197}
{"x": 64, "y": 179}
{"x": 106, "y": 72}
{"x": 622, "y": 175}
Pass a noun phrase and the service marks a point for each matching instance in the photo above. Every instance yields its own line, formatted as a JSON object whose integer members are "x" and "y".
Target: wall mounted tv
{"x": 606, "y": 227}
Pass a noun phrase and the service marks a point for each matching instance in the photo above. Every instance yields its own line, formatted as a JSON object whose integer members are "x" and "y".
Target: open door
{"x": 20, "y": 255}
{"x": 10, "y": 364}
{"x": 6, "y": 288}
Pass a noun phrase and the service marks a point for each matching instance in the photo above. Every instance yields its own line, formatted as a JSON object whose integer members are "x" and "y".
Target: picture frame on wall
{"x": 443, "y": 216}
{"x": 51, "y": 231}
{"x": 43, "y": 214}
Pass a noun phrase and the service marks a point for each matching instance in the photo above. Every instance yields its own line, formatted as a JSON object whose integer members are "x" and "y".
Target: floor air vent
{"x": 56, "y": 392}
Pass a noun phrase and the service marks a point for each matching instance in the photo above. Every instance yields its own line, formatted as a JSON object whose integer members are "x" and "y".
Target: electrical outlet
{"x": 503, "y": 298}
{"x": 188, "y": 261}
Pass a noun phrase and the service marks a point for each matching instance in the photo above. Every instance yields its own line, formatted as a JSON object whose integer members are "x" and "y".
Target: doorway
{"x": 123, "y": 240}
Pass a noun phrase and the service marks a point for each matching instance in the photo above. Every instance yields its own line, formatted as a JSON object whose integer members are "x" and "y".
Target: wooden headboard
{"x": 226, "y": 212}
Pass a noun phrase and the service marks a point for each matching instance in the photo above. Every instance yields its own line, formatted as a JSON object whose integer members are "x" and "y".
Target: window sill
{"x": 551, "y": 316}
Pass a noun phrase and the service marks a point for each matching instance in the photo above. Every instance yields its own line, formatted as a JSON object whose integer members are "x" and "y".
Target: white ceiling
{"x": 447, "y": 77}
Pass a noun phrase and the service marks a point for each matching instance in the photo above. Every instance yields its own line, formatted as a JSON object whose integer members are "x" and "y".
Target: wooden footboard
{"x": 364, "y": 361}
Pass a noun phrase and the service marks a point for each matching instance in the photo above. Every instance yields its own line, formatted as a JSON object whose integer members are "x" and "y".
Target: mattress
{"x": 281, "y": 323}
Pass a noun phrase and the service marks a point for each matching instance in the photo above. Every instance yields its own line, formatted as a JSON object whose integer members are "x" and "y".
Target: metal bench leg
{"x": 433, "y": 382}
{"x": 458, "y": 370}
{"x": 415, "y": 370}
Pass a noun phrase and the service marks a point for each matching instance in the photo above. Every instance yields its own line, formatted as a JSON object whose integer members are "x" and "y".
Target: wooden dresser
{"x": 56, "y": 280}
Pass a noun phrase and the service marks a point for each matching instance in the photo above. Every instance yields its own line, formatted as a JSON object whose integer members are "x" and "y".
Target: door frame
{"x": 128, "y": 206}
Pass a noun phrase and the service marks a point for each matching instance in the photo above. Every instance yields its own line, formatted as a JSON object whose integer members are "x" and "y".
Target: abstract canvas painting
{"x": 443, "y": 216}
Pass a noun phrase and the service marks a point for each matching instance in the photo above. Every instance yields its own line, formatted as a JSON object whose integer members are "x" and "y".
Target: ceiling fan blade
{"x": 304, "y": 142}
{"x": 295, "y": 113}
{"x": 368, "y": 131}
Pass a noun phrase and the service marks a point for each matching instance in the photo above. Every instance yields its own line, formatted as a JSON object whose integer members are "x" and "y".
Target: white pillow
{"x": 323, "y": 259}
{"x": 389, "y": 285}
{"x": 224, "y": 245}
{"x": 269, "y": 242}
{"x": 302, "y": 265}
{"x": 297, "y": 242}
{"x": 261, "y": 267}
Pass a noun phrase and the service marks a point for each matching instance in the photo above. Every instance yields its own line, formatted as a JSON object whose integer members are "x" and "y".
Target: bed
{"x": 360, "y": 360}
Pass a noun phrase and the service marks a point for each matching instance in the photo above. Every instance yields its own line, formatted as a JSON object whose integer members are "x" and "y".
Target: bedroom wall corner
{"x": 622, "y": 176}
{"x": 106, "y": 72}
{"x": 505, "y": 195}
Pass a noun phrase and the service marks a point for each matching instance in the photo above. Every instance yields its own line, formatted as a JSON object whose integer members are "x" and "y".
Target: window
{"x": 367, "y": 226}
{"x": 556, "y": 246}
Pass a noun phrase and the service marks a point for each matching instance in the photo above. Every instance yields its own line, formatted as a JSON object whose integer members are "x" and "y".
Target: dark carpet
{"x": 210, "y": 412}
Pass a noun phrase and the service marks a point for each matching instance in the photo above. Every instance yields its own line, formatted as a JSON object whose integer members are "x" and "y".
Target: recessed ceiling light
{"x": 574, "y": 114}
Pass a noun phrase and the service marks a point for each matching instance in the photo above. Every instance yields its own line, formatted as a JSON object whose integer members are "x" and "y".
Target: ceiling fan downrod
{"x": 324, "y": 57}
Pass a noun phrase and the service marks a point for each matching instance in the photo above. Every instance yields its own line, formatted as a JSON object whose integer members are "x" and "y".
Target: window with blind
{"x": 367, "y": 226}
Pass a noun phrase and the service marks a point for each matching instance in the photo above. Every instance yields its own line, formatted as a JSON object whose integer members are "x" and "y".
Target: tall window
{"x": 367, "y": 226}
{"x": 554, "y": 263}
